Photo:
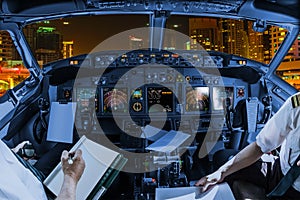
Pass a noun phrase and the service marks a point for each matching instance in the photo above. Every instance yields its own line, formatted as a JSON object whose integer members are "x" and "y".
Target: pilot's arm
{"x": 244, "y": 158}
{"x": 270, "y": 137}
{"x": 72, "y": 173}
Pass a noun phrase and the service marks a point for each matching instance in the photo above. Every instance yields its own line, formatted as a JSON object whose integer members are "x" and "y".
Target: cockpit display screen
{"x": 159, "y": 99}
{"x": 197, "y": 99}
{"x": 220, "y": 94}
{"x": 115, "y": 100}
{"x": 86, "y": 99}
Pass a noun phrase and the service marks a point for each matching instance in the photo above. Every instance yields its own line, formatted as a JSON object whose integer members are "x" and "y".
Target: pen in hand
{"x": 71, "y": 158}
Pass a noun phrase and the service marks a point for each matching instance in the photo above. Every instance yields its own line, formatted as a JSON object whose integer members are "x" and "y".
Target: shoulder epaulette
{"x": 296, "y": 100}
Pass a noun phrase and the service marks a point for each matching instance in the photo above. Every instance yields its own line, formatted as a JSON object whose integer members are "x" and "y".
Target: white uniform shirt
{"x": 16, "y": 181}
{"x": 283, "y": 129}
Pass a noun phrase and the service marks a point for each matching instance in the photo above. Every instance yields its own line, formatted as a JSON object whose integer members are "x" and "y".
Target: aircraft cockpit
{"x": 178, "y": 88}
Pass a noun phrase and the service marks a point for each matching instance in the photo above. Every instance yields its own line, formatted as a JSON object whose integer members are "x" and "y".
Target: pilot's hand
{"x": 75, "y": 169}
{"x": 210, "y": 180}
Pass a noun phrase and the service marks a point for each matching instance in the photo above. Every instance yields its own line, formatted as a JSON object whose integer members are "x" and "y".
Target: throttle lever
{"x": 267, "y": 102}
{"x": 228, "y": 109}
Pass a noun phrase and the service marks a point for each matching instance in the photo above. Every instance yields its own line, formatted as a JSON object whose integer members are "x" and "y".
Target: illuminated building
{"x": 30, "y": 32}
{"x": 48, "y": 44}
{"x": 5, "y": 46}
{"x": 204, "y": 31}
{"x": 267, "y": 46}
{"x": 259, "y": 45}
{"x": 223, "y": 35}
{"x": 230, "y": 36}
{"x": 234, "y": 37}
{"x": 289, "y": 70}
{"x": 277, "y": 36}
{"x": 68, "y": 49}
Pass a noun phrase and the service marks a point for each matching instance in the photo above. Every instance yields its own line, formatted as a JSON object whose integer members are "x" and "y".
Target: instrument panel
{"x": 143, "y": 83}
{"x": 167, "y": 91}
{"x": 182, "y": 97}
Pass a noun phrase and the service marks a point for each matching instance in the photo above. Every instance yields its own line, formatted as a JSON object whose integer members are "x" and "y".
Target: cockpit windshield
{"x": 63, "y": 38}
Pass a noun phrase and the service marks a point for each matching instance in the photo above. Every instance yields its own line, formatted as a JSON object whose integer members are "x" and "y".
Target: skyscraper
{"x": 204, "y": 32}
{"x": 48, "y": 44}
{"x": 259, "y": 44}
{"x": 223, "y": 35}
{"x": 277, "y": 35}
{"x": 6, "y": 45}
{"x": 234, "y": 37}
{"x": 67, "y": 49}
{"x": 289, "y": 69}
{"x": 230, "y": 36}
{"x": 30, "y": 32}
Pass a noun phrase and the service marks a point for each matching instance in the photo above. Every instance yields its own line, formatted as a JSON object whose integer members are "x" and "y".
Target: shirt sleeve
{"x": 277, "y": 128}
{"x": 17, "y": 182}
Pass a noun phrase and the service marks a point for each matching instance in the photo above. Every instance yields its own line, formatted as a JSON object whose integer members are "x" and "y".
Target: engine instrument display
{"x": 87, "y": 99}
{"x": 115, "y": 100}
{"x": 159, "y": 99}
{"x": 197, "y": 99}
{"x": 220, "y": 94}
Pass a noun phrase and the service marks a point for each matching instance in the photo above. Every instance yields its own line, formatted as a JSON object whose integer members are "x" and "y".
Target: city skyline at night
{"x": 49, "y": 37}
{"x": 57, "y": 39}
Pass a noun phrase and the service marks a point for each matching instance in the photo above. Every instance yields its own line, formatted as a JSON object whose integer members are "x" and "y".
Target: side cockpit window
{"x": 12, "y": 69}
{"x": 289, "y": 69}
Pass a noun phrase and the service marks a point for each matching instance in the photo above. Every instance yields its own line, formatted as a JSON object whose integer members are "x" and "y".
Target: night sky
{"x": 87, "y": 31}
{"x": 90, "y": 30}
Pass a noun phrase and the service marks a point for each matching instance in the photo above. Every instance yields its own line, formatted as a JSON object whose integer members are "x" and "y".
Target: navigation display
{"x": 219, "y": 97}
{"x": 197, "y": 99}
{"x": 115, "y": 100}
{"x": 160, "y": 99}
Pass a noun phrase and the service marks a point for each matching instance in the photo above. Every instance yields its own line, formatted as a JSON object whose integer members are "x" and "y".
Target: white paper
{"x": 61, "y": 122}
{"x": 190, "y": 196}
{"x": 97, "y": 160}
{"x": 218, "y": 192}
{"x": 169, "y": 142}
{"x": 152, "y": 133}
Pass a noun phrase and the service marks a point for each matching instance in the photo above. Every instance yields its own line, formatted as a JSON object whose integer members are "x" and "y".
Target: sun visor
{"x": 42, "y": 7}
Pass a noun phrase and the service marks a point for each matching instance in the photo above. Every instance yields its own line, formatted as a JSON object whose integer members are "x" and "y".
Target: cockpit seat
{"x": 222, "y": 156}
{"x": 246, "y": 190}
{"x": 240, "y": 188}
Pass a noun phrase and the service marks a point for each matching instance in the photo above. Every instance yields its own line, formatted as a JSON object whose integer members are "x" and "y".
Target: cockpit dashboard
{"x": 143, "y": 83}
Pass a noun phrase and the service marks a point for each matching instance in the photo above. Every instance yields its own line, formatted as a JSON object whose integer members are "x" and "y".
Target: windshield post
{"x": 25, "y": 52}
{"x": 157, "y": 24}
